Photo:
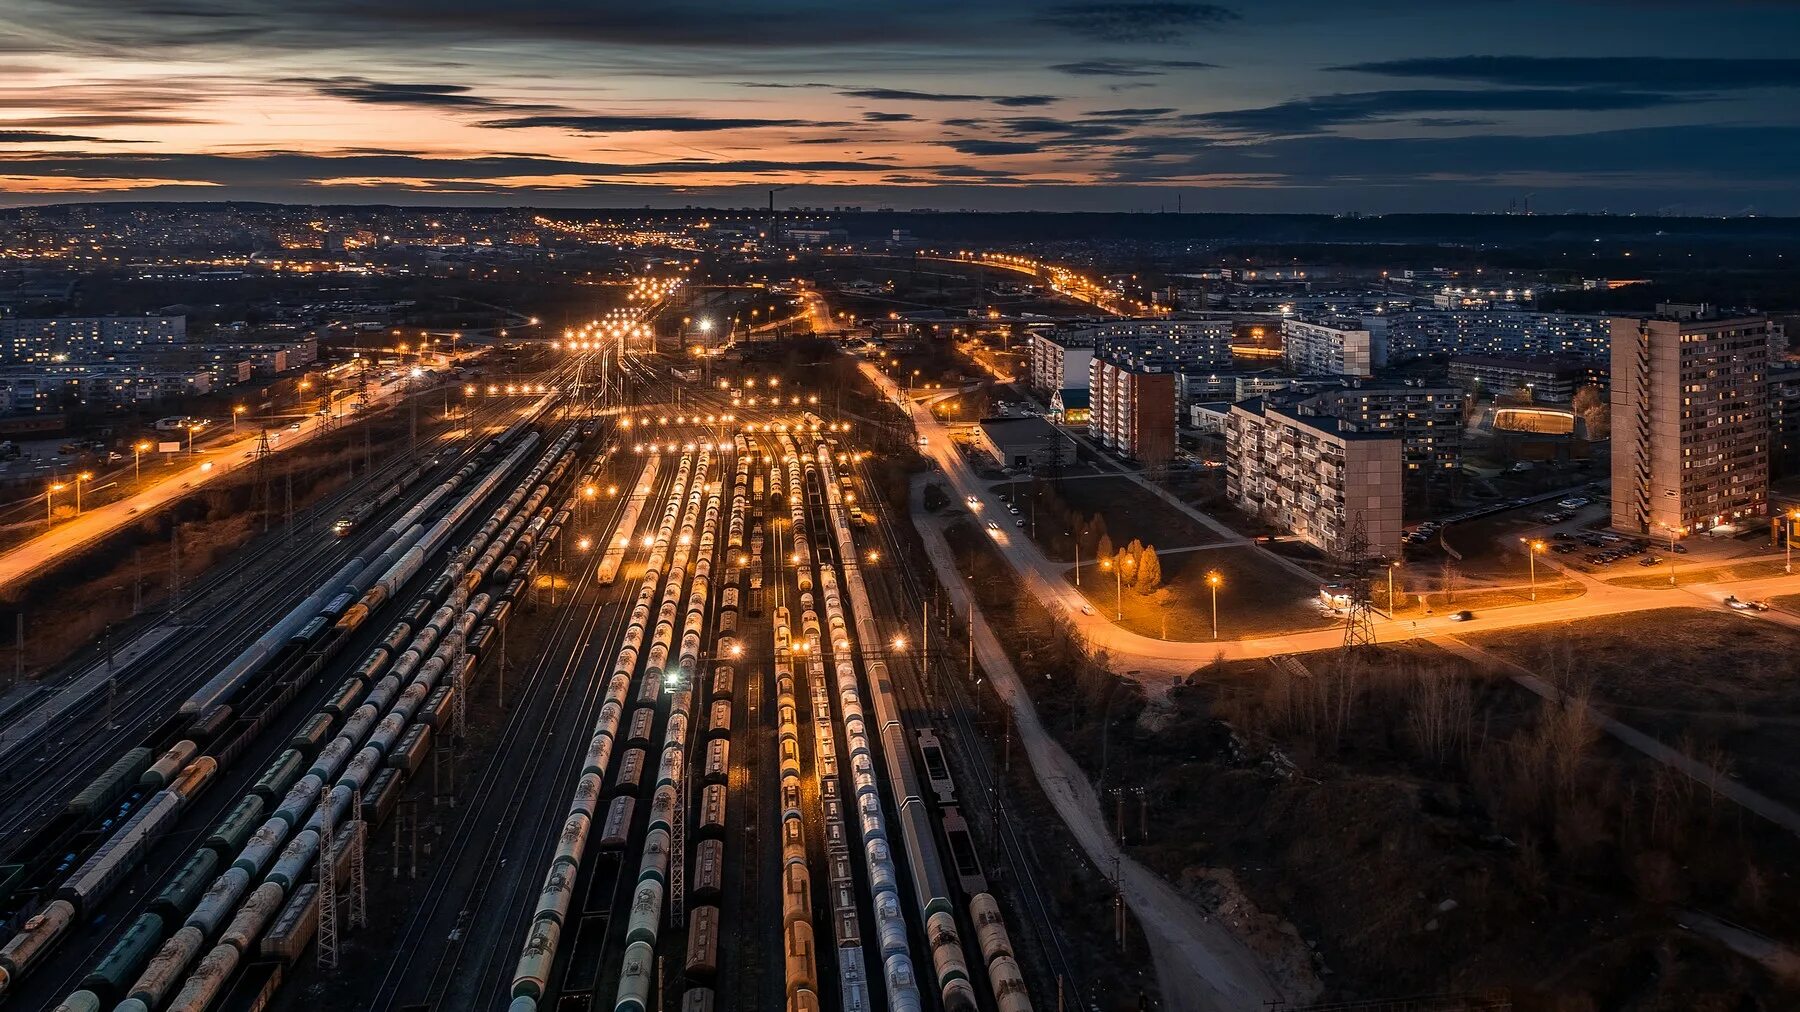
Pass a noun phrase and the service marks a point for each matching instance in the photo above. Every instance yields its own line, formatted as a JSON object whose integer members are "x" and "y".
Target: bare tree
{"x": 1441, "y": 713}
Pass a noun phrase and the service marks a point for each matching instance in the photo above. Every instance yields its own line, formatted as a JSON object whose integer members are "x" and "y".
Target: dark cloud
{"x": 1451, "y": 121}
{"x": 904, "y": 95}
{"x": 1642, "y": 73}
{"x": 1137, "y": 22}
{"x": 1128, "y": 68}
{"x": 364, "y": 90}
{"x": 583, "y": 124}
{"x": 292, "y": 168}
{"x": 889, "y": 117}
{"x": 1162, "y": 110}
{"x": 974, "y": 172}
{"x": 1311, "y": 115}
{"x": 1718, "y": 158}
{"x": 43, "y": 137}
{"x": 986, "y": 147}
{"x": 91, "y": 120}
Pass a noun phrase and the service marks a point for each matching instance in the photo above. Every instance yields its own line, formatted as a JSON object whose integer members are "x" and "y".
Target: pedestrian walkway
{"x": 1200, "y": 965}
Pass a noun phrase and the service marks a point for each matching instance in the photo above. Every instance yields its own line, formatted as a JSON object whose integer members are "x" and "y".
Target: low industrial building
{"x": 1022, "y": 442}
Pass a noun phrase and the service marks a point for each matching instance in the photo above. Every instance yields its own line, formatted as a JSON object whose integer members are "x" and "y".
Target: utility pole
{"x": 328, "y": 925}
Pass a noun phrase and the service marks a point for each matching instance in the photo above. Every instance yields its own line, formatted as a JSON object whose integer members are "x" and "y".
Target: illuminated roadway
{"x": 33, "y": 557}
{"x": 1152, "y": 659}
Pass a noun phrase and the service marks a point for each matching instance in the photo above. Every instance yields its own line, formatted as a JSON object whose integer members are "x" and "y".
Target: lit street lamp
{"x": 1793, "y": 517}
{"x": 1118, "y": 587}
{"x": 83, "y": 476}
{"x": 137, "y": 453}
{"x": 1213, "y": 580}
{"x": 1390, "y": 568}
{"x": 1532, "y": 550}
{"x": 236, "y": 410}
{"x": 49, "y": 511}
{"x": 1674, "y": 532}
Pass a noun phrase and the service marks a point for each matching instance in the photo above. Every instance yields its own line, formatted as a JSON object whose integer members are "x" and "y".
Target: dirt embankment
{"x": 1399, "y": 824}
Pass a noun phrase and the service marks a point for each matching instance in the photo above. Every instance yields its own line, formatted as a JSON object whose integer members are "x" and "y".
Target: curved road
{"x": 1156, "y": 659}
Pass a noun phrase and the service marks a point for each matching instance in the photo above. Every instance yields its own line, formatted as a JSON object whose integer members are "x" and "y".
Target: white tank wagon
{"x": 930, "y": 886}
{"x": 542, "y": 939}
{"x": 229, "y": 908}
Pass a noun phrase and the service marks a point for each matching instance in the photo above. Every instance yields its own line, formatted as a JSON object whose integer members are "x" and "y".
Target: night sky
{"x": 1673, "y": 106}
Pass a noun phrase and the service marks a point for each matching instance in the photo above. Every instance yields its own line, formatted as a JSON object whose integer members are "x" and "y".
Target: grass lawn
{"x": 1549, "y": 588}
{"x": 1131, "y": 511}
{"x": 1257, "y": 597}
{"x": 1651, "y": 577}
{"x": 1715, "y": 679}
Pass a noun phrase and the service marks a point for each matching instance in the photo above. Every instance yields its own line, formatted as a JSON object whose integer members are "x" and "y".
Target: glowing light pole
{"x": 49, "y": 510}
{"x": 1793, "y": 517}
{"x": 1532, "y": 550}
{"x": 1213, "y": 580}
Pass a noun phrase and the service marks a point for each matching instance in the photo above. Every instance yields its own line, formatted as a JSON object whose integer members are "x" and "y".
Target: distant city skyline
{"x": 1682, "y": 106}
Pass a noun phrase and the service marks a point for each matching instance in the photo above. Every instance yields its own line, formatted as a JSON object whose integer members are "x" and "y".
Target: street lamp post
{"x": 137, "y": 453}
{"x": 1390, "y": 602}
{"x": 236, "y": 410}
{"x": 1213, "y": 580}
{"x": 1532, "y": 548}
{"x": 1793, "y": 517}
{"x": 83, "y": 476}
{"x": 49, "y": 510}
{"x": 1673, "y": 533}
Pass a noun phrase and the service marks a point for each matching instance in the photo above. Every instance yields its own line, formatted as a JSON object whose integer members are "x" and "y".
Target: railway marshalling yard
{"x": 618, "y": 709}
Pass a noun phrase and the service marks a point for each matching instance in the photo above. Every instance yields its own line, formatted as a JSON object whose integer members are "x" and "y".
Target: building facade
{"x": 1059, "y": 361}
{"x": 1690, "y": 422}
{"x": 1429, "y": 420}
{"x": 1784, "y": 421}
{"x": 49, "y": 390}
{"x": 1511, "y": 333}
{"x": 1543, "y": 380}
{"x": 1131, "y": 411}
{"x": 1164, "y": 344}
{"x": 1334, "y": 347}
{"x": 1339, "y": 490}
{"x": 61, "y": 338}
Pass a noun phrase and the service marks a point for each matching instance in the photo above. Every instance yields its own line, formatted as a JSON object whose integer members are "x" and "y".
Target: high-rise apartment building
{"x": 1508, "y": 332}
{"x": 1131, "y": 410}
{"x": 1059, "y": 361}
{"x": 1314, "y": 476}
{"x": 1690, "y": 421}
{"x": 1784, "y": 416}
{"x": 1330, "y": 347}
{"x": 1429, "y": 420}
{"x": 1164, "y": 344}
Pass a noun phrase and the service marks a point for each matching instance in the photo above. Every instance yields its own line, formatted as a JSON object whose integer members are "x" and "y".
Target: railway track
{"x": 1021, "y": 851}
{"x": 174, "y": 665}
{"x": 451, "y": 961}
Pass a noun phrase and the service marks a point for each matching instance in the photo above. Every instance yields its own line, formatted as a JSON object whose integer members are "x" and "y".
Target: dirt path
{"x": 1200, "y": 965}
